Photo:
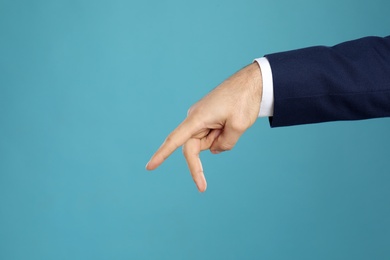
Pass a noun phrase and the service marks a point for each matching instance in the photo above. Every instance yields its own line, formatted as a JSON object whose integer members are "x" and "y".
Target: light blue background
{"x": 89, "y": 90}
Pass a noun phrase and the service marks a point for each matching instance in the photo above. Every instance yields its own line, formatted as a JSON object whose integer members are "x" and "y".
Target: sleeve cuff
{"x": 267, "y": 99}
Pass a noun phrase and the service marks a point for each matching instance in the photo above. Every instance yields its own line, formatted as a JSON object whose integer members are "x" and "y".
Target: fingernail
{"x": 215, "y": 152}
{"x": 217, "y": 133}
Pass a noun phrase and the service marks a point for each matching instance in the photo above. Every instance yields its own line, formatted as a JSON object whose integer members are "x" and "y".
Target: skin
{"x": 215, "y": 122}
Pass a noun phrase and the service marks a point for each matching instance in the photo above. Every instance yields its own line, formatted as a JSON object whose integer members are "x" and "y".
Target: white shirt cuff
{"x": 267, "y": 99}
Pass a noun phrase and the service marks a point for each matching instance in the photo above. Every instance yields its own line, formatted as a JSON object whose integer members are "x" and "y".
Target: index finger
{"x": 174, "y": 140}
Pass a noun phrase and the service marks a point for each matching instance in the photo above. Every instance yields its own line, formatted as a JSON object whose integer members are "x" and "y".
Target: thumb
{"x": 226, "y": 140}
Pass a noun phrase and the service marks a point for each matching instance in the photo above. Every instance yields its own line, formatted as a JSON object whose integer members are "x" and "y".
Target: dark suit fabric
{"x": 348, "y": 81}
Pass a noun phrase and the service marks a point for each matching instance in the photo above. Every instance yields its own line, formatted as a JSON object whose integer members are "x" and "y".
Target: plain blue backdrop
{"x": 88, "y": 91}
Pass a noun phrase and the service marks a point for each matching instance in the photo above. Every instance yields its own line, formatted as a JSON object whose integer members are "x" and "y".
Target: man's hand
{"x": 216, "y": 122}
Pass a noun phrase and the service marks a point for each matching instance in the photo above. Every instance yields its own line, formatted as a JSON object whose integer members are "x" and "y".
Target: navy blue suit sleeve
{"x": 349, "y": 81}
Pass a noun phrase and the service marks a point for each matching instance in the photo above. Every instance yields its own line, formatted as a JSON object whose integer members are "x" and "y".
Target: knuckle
{"x": 226, "y": 147}
{"x": 171, "y": 141}
{"x": 168, "y": 139}
{"x": 191, "y": 110}
{"x": 197, "y": 121}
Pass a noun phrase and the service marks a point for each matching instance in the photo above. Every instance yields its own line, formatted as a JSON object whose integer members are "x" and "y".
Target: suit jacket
{"x": 348, "y": 81}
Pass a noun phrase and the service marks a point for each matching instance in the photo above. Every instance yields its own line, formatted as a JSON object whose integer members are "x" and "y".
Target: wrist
{"x": 255, "y": 81}
{"x": 256, "y": 77}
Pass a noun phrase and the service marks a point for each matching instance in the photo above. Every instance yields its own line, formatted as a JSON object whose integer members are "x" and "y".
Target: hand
{"x": 216, "y": 122}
